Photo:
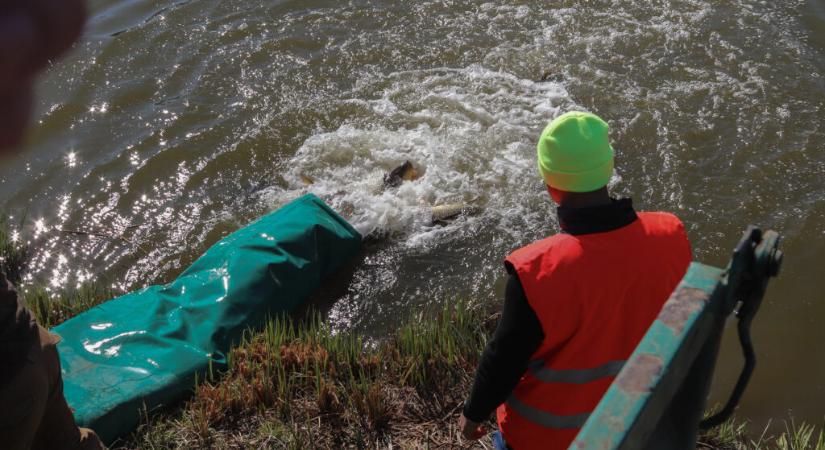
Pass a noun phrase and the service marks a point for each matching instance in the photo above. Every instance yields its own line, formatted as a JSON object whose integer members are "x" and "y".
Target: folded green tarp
{"x": 146, "y": 348}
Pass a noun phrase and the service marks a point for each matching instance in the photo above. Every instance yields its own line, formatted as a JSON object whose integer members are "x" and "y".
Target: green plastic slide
{"x": 146, "y": 348}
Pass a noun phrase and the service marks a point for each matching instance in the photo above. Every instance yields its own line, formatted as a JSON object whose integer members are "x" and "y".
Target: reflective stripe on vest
{"x": 573, "y": 376}
{"x": 544, "y": 418}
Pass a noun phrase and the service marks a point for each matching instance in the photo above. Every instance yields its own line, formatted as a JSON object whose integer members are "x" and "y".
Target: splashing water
{"x": 175, "y": 123}
{"x": 467, "y": 145}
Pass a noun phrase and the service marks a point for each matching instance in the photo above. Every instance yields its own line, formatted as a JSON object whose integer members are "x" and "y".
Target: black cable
{"x": 744, "y": 328}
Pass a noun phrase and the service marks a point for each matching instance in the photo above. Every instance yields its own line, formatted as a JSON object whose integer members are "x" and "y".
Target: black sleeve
{"x": 517, "y": 336}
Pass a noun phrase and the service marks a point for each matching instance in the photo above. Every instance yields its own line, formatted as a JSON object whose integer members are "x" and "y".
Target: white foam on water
{"x": 469, "y": 132}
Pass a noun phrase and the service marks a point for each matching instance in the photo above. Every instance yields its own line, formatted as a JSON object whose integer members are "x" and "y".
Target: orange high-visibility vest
{"x": 595, "y": 296}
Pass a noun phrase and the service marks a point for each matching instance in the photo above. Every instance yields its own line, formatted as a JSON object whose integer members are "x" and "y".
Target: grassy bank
{"x": 302, "y": 386}
{"x": 297, "y": 384}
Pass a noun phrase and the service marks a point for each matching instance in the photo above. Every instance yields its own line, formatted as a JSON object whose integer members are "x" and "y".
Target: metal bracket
{"x": 756, "y": 259}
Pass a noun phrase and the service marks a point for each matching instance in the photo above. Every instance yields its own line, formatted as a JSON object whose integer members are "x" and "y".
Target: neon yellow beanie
{"x": 574, "y": 154}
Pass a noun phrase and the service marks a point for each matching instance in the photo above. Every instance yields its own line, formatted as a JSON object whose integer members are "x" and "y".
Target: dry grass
{"x": 303, "y": 386}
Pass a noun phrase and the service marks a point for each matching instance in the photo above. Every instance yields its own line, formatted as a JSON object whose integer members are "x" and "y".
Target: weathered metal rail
{"x": 658, "y": 398}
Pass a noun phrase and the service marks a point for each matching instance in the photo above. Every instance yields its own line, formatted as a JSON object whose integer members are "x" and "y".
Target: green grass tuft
{"x": 13, "y": 255}
{"x": 735, "y": 435}
{"x": 51, "y": 307}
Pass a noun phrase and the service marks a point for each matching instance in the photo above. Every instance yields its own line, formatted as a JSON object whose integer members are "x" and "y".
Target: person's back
{"x": 595, "y": 294}
{"x": 591, "y": 292}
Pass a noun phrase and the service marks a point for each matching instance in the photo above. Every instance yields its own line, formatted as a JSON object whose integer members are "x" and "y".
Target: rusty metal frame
{"x": 659, "y": 364}
{"x": 658, "y": 398}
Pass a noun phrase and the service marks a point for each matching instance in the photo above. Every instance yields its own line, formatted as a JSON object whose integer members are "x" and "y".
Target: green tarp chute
{"x": 145, "y": 349}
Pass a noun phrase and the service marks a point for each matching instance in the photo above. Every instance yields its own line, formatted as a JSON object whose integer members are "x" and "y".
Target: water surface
{"x": 175, "y": 123}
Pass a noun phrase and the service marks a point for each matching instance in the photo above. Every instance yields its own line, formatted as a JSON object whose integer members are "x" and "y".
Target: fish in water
{"x": 548, "y": 75}
{"x": 402, "y": 173}
{"x": 306, "y": 179}
{"x": 439, "y": 214}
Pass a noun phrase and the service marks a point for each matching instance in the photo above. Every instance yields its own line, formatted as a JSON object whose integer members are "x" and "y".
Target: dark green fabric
{"x": 147, "y": 347}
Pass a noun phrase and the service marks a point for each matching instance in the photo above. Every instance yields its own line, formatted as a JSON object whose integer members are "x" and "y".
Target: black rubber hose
{"x": 744, "y": 328}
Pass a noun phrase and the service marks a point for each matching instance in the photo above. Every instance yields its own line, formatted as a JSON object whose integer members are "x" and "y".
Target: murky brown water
{"x": 174, "y": 123}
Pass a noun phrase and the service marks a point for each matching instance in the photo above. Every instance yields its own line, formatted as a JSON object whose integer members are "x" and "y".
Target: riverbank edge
{"x": 300, "y": 384}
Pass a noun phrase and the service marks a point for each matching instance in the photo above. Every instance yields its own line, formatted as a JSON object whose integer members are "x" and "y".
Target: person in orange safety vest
{"x": 576, "y": 303}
